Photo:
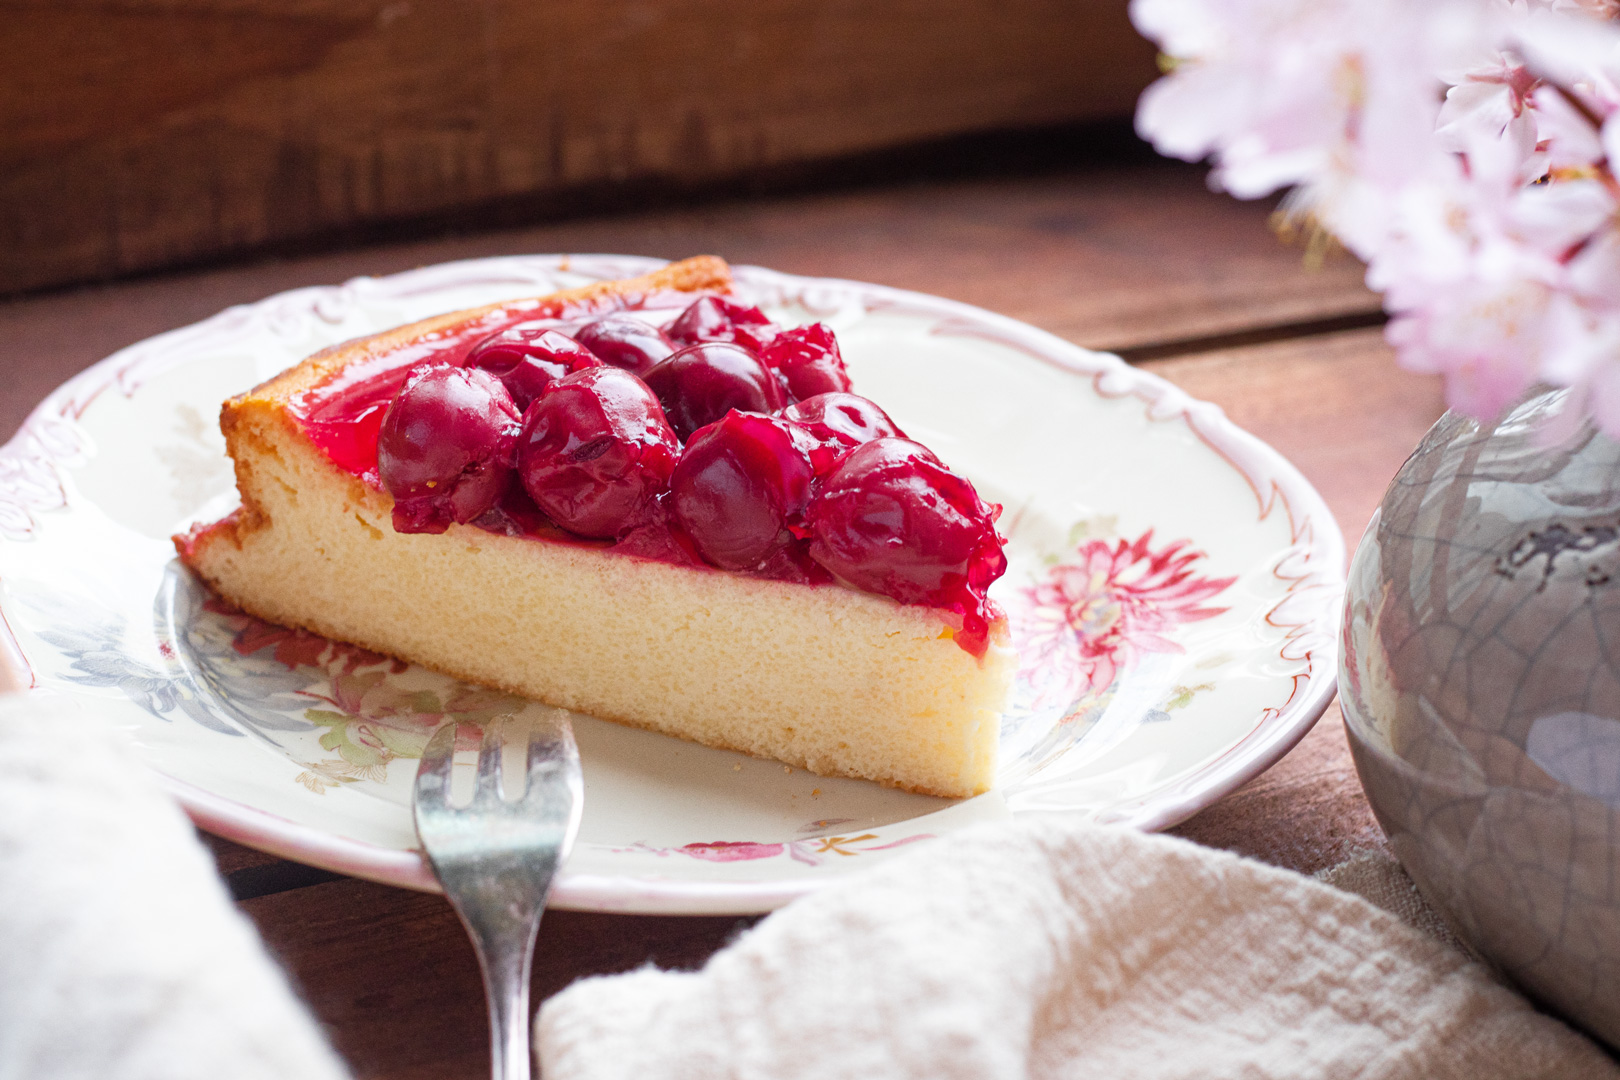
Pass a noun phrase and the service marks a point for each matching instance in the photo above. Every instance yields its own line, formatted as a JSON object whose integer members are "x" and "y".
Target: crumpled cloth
{"x": 1032, "y": 950}
{"x": 121, "y": 954}
{"x": 1380, "y": 880}
{"x": 1055, "y": 950}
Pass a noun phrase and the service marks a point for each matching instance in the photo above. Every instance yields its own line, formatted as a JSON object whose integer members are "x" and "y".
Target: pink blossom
{"x": 1265, "y": 86}
{"x": 1493, "y": 100}
{"x": 1284, "y": 92}
{"x": 1572, "y": 142}
{"x": 1575, "y": 51}
{"x": 1475, "y": 268}
{"x": 1583, "y": 332}
{"x": 1489, "y": 220}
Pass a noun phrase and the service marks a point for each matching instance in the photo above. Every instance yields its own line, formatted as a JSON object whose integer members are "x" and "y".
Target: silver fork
{"x": 496, "y": 860}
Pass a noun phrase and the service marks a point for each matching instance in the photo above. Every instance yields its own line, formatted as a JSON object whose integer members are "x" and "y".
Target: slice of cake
{"x": 689, "y": 525}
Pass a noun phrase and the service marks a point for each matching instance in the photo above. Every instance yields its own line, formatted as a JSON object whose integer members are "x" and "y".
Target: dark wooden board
{"x": 1111, "y": 258}
{"x": 144, "y": 133}
{"x": 393, "y": 979}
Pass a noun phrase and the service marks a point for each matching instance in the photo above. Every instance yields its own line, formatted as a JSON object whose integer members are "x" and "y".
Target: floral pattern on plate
{"x": 811, "y": 852}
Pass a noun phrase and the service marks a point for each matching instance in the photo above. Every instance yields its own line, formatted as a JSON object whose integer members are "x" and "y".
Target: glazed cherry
{"x": 838, "y": 422}
{"x": 625, "y": 342}
{"x": 738, "y": 485}
{"x": 527, "y": 359}
{"x": 808, "y": 361}
{"x": 701, "y": 383}
{"x": 891, "y": 519}
{"x": 596, "y": 451}
{"x": 716, "y": 318}
{"x": 444, "y": 449}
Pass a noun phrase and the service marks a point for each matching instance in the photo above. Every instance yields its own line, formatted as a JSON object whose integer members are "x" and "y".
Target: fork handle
{"x": 506, "y": 959}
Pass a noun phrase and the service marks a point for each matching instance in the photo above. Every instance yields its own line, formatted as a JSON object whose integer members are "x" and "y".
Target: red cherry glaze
{"x": 739, "y": 483}
{"x": 838, "y": 422}
{"x": 701, "y": 383}
{"x": 717, "y": 318}
{"x": 596, "y": 451}
{"x": 891, "y": 519}
{"x": 346, "y": 431}
{"x": 444, "y": 448}
{"x": 344, "y": 416}
{"x": 808, "y": 361}
{"x": 655, "y": 538}
{"x": 527, "y": 359}
{"x": 341, "y": 415}
{"x": 626, "y": 342}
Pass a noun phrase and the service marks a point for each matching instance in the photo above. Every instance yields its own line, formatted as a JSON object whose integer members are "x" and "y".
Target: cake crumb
{"x": 787, "y": 768}
{"x": 815, "y": 791}
{"x": 736, "y": 766}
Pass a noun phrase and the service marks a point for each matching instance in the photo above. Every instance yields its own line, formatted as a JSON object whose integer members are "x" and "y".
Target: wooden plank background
{"x": 137, "y": 134}
{"x": 1140, "y": 258}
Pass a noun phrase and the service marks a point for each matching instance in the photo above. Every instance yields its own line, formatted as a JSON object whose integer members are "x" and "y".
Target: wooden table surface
{"x": 1137, "y": 258}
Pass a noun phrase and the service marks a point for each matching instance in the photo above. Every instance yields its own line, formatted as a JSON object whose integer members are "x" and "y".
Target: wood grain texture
{"x": 393, "y": 979}
{"x": 230, "y": 857}
{"x": 1107, "y": 257}
{"x": 159, "y": 131}
{"x": 1305, "y": 813}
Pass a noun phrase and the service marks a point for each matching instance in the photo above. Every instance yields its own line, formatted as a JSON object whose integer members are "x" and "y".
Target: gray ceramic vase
{"x": 1481, "y": 689}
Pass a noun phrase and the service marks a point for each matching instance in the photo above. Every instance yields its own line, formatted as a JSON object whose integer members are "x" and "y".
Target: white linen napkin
{"x": 121, "y": 954}
{"x": 1036, "y": 950}
{"x": 1051, "y": 950}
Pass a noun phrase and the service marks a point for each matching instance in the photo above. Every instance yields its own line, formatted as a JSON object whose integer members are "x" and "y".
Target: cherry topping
{"x": 596, "y": 451}
{"x": 716, "y": 318}
{"x": 891, "y": 519}
{"x": 701, "y": 383}
{"x": 838, "y": 422}
{"x": 444, "y": 449}
{"x": 808, "y": 360}
{"x": 625, "y": 342}
{"x": 739, "y": 483}
{"x": 527, "y": 359}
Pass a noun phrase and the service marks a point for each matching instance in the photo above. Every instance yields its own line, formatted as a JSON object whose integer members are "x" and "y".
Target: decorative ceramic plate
{"x": 1173, "y": 591}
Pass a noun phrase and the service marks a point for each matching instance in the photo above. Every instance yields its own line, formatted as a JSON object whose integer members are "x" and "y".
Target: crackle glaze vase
{"x": 1480, "y": 684}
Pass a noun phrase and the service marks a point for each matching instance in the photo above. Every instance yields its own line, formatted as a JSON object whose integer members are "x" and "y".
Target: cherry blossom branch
{"x": 1490, "y": 220}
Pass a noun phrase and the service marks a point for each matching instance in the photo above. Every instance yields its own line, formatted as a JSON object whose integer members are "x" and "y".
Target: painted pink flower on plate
{"x": 1095, "y": 612}
{"x": 731, "y": 851}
